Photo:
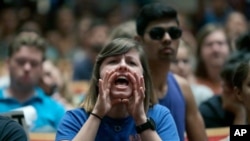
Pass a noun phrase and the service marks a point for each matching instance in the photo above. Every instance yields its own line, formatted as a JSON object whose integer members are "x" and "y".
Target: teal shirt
{"x": 49, "y": 112}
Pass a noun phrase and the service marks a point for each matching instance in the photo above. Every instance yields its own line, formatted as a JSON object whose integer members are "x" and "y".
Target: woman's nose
{"x": 123, "y": 66}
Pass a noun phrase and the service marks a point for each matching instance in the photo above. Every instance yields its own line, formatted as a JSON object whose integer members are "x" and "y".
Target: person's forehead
{"x": 132, "y": 53}
{"x": 28, "y": 51}
{"x": 165, "y": 23}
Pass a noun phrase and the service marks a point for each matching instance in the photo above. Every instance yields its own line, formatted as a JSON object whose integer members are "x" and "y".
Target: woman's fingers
{"x": 132, "y": 79}
{"x": 137, "y": 81}
{"x": 107, "y": 82}
{"x": 142, "y": 87}
{"x": 100, "y": 86}
{"x": 142, "y": 83}
{"x": 116, "y": 101}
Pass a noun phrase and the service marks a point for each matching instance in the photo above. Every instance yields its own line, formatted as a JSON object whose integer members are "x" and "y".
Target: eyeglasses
{"x": 157, "y": 33}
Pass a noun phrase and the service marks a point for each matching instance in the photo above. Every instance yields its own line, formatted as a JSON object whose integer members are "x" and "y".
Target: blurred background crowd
{"x": 76, "y": 30}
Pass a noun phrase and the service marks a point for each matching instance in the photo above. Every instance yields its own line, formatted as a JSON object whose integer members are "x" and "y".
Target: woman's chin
{"x": 121, "y": 95}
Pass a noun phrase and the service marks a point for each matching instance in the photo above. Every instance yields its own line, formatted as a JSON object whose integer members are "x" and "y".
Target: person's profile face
{"x": 25, "y": 66}
{"x": 122, "y": 65}
{"x": 161, "y": 39}
{"x": 182, "y": 65}
{"x": 245, "y": 92}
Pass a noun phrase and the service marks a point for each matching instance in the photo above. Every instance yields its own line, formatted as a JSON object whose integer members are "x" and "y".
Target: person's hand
{"x": 231, "y": 104}
{"x": 135, "y": 104}
{"x": 104, "y": 102}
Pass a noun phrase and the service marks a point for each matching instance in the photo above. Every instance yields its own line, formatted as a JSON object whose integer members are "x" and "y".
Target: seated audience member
{"x": 182, "y": 65}
{"x": 236, "y": 24}
{"x": 5, "y": 80}
{"x": 213, "y": 49}
{"x": 241, "y": 76}
{"x": 62, "y": 39}
{"x": 225, "y": 110}
{"x": 51, "y": 82}
{"x": 26, "y": 56}
{"x": 119, "y": 104}
{"x": 241, "y": 83}
{"x": 82, "y": 68}
{"x": 54, "y": 85}
{"x": 11, "y": 130}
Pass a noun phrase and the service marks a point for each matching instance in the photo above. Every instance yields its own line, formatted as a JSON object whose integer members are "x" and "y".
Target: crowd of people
{"x": 151, "y": 74}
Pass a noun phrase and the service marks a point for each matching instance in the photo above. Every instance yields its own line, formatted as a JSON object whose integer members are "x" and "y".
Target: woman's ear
{"x": 238, "y": 93}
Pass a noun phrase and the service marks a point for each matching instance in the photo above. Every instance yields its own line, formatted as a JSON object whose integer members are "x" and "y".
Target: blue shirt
{"x": 117, "y": 129}
{"x": 49, "y": 112}
{"x": 176, "y": 103}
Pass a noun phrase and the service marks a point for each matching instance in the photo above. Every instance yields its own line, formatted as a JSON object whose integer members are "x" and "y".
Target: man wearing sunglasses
{"x": 158, "y": 30}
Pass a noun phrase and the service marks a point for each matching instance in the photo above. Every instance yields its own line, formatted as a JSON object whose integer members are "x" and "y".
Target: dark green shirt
{"x": 11, "y": 130}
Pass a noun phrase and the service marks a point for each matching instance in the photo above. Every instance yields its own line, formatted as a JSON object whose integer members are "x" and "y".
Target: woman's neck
{"x": 118, "y": 111}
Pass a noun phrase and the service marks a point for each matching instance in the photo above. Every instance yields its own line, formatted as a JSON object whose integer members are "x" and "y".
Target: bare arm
{"x": 148, "y": 135}
{"x": 195, "y": 127}
{"x": 136, "y": 108}
{"x": 89, "y": 129}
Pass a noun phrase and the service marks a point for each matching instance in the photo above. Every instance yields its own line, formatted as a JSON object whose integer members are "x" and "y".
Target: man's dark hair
{"x": 152, "y": 12}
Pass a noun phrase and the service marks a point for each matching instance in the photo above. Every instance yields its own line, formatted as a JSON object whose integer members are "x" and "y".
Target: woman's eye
{"x": 132, "y": 63}
{"x": 112, "y": 61}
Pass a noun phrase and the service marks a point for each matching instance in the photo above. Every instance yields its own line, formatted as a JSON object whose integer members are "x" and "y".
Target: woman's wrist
{"x": 140, "y": 120}
{"x": 96, "y": 115}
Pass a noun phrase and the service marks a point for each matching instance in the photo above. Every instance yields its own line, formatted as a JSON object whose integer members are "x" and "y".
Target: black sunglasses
{"x": 157, "y": 33}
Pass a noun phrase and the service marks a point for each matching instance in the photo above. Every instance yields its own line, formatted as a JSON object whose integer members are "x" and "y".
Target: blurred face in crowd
{"x": 97, "y": 38}
{"x": 219, "y": 6}
{"x": 65, "y": 20}
{"x": 123, "y": 65}
{"x": 182, "y": 64}
{"x": 215, "y": 49}
{"x": 9, "y": 20}
{"x": 25, "y": 67}
{"x": 157, "y": 47}
{"x": 51, "y": 78}
{"x": 236, "y": 25}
